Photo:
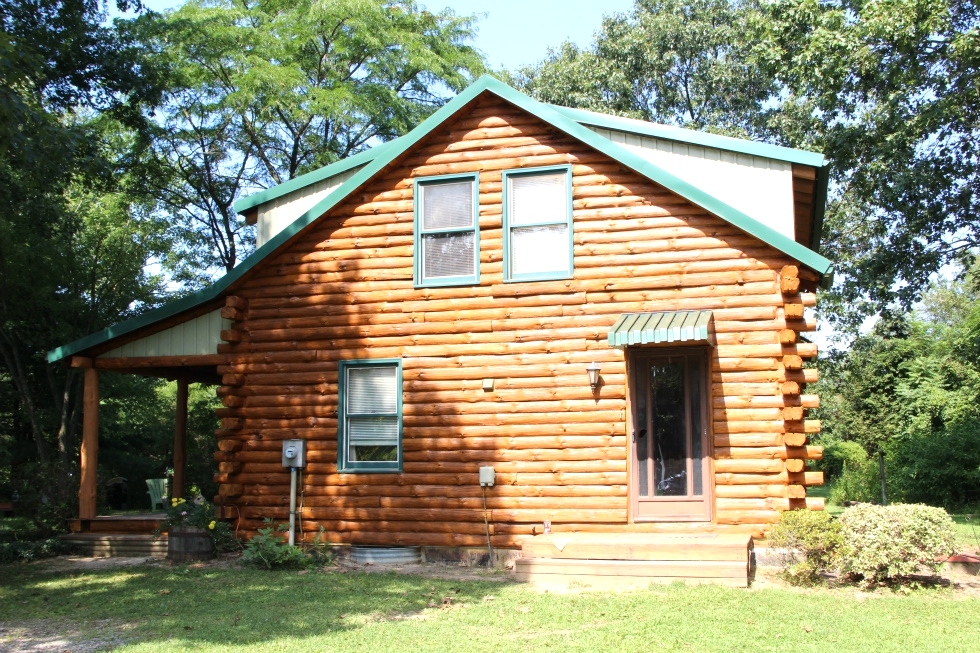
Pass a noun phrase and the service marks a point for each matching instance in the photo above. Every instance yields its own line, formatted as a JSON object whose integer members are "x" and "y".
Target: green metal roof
{"x": 394, "y": 149}
{"x": 655, "y": 328}
{"x": 667, "y": 132}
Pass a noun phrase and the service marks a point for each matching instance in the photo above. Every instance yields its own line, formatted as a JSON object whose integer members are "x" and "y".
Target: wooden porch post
{"x": 90, "y": 445}
{"x": 180, "y": 439}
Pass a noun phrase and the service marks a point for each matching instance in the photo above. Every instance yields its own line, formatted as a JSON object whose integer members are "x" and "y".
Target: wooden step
{"x": 638, "y": 546}
{"x": 560, "y": 574}
{"x": 123, "y": 545}
{"x": 143, "y": 523}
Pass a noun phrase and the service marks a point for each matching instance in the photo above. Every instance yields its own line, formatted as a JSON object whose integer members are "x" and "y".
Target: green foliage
{"x": 810, "y": 540}
{"x": 30, "y": 550}
{"x": 198, "y": 512}
{"x": 269, "y": 550}
{"x": 264, "y": 91}
{"x": 852, "y": 473}
{"x": 891, "y": 543}
{"x": 910, "y": 387}
{"x": 669, "y": 61}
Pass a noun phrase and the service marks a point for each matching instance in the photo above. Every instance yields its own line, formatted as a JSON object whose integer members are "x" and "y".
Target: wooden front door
{"x": 669, "y": 478}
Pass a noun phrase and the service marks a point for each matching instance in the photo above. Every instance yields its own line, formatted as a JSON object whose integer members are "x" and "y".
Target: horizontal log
{"x": 752, "y": 466}
{"x": 232, "y": 313}
{"x": 789, "y": 286}
{"x": 231, "y": 335}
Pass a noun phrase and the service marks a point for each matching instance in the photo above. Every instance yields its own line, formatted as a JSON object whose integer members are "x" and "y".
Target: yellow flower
{"x": 173, "y": 502}
{"x": 211, "y": 525}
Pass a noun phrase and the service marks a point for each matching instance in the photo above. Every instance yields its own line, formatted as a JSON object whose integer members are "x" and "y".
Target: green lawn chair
{"x": 157, "y": 491}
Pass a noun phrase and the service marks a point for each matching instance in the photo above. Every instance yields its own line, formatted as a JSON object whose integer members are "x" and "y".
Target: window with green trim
{"x": 538, "y": 224}
{"x": 370, "y": 425}
{"x": 447, "y": 234}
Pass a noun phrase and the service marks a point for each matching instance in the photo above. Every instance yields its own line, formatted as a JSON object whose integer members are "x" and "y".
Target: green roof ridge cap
{"x": 693, "y": 137}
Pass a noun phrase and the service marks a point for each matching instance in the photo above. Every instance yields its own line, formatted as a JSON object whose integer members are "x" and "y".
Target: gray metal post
{"x": 292, "y": 506}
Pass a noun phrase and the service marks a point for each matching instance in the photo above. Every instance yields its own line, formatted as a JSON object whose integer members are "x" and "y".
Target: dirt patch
{"x": 52, "y": 636}
{"x": 430, "y": 570}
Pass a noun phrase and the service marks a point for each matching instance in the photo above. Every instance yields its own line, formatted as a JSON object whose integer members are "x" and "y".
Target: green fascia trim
{"x": 395, "y": 148}
{"x": 567, "y": 273}
{"x": 670, "y": 133}
{"x": 663, "y": 327}
{"x": 819, "y": 206}
{"x": 373, "y": 467}
{"x": 245, "y": 203}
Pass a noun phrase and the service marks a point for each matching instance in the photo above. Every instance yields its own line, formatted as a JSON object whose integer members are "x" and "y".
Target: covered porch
{"x": 183, "y": 349}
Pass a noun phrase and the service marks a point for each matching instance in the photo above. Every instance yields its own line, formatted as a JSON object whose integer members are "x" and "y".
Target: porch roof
{"x": 654, "y": 328}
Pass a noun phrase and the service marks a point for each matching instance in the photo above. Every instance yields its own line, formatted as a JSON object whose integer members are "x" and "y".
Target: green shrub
{"x": 891, "y": 543}
{"x": 854, "y": 475}
{"x": 810, "y": 540}
{"x": 33, "y": 550}
{"x": 270, "y": 550}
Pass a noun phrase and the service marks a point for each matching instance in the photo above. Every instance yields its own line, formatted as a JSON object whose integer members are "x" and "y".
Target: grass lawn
{"x": 155, "y": 607}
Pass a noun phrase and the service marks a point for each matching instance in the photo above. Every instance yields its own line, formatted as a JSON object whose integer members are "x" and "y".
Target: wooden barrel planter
{"x": 189, "y": 544}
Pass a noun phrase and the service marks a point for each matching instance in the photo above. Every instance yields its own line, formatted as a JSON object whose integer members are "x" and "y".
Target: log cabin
{"x": 610, "y": 313}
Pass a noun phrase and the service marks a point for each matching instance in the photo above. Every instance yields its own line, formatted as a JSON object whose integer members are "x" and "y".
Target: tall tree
{"x": 680, "y": 62}
{"x": 887, "y": 90}
{"x": 71, "y": 248}
{"x": 265, "y": 90}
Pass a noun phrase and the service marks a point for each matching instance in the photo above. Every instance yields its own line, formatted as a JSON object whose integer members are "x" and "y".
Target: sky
{"x": 514, "y": 33}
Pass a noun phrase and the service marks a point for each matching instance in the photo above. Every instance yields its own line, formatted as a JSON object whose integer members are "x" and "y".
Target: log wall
{"x": 343, "y": 290}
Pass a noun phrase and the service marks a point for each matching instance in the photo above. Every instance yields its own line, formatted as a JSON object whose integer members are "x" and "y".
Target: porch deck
{"x": 634, "y": 560}
{"x": 119, "y": 536}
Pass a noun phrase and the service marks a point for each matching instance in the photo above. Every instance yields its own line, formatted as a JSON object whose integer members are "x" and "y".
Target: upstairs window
{"x": 538, "y": 224}
{"x": 447, "y": 235}
{"x": 370, "y": 424}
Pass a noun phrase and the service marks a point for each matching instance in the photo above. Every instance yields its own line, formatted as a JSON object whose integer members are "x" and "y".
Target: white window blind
{"x": 538, "y": 198}
{"x": 371, "y": 414}
{"x": 538, "y": 224}
{"x": 371, "y": 390}
{"x": 447, "y": 241}
{"x": 447, "y": 206}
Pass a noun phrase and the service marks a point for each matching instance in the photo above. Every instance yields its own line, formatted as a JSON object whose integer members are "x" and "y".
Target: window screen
{"x": 538, "y": 225}
{"x": 447, "y": 249}
{"x": 370, "y": 416}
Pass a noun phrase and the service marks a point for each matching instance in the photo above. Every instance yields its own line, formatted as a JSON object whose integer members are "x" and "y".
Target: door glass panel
{"x": 640, "y": 435}
{"x": 669, "y": 428}
{"x": 694, "y": 380}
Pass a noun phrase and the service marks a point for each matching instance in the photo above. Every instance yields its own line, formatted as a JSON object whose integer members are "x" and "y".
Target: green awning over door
{"x": 654, "y": 328}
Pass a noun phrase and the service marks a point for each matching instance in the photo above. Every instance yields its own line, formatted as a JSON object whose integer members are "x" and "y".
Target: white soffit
{"x": 762, "y": 188}
{"x": 277, "y": 214}
{"x": 198, "y": 337}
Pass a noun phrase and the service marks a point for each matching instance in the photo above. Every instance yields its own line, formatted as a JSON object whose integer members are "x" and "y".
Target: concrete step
{"x": 563, "y": 574}
{"x": 638, "y": 546}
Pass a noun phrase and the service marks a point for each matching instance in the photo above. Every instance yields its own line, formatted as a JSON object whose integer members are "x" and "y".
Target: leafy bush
{"x": 269, "y": 549}
{"x": 33, "y": 550}
{"x": 854, "y": 474}
{"x": 199, "y": 513}
{"x": 810, "y": 541}
{"x": 891, "y": 543}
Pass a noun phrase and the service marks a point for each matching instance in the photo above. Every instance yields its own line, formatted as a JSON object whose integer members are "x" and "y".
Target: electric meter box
{"x": 487, "y": 476}
{"x": 294, "y": 453}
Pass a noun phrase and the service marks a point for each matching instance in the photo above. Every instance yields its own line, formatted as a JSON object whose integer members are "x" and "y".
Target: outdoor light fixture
{"x": 593, "y": 370}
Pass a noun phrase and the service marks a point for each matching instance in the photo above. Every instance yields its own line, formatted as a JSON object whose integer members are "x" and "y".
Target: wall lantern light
{"x": 593, "y": 370}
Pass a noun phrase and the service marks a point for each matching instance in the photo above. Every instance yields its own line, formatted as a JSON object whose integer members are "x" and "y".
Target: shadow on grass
{"x": 226, "y": 606}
